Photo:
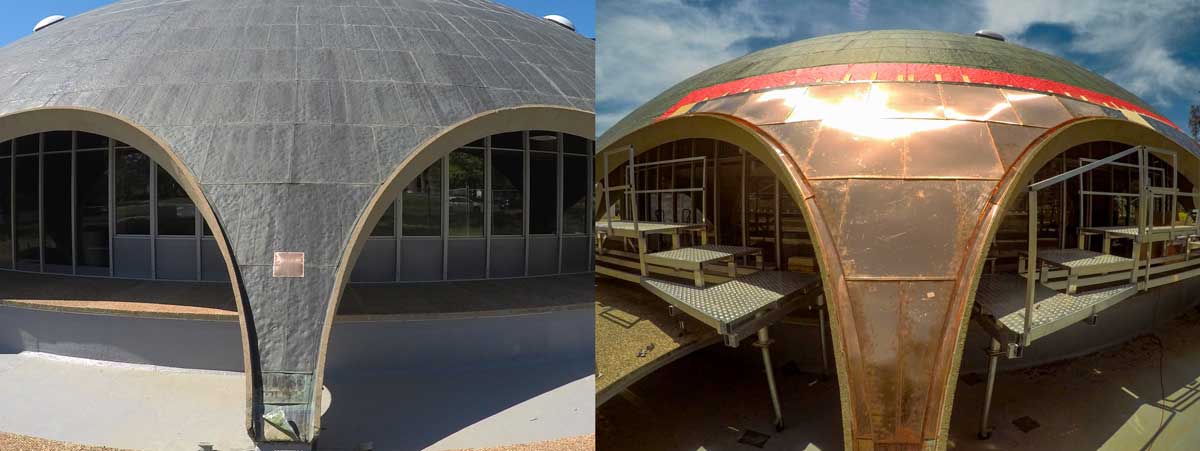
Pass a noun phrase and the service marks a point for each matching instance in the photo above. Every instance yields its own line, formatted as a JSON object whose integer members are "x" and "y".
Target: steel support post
{"x": 764, "y": 343}
{"x": 821, "y": 332}
{"x": 985, "y": 430}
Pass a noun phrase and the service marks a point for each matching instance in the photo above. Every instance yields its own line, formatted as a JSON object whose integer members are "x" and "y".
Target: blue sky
{"x": 1150, "y": 47}
{"x": 19, "y": 16}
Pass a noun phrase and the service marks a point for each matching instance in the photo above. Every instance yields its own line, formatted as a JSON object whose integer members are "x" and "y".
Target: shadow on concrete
{"x": 55, "y": 287}
{"x": 410, "y": 384}
{"x": 411, "y": 410}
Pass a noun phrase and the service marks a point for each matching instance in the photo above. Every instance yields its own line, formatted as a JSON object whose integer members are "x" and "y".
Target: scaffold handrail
{"x": 1043, "y": 184}
{"x": 669, "y": 162}
{"x": 667, "y": 190}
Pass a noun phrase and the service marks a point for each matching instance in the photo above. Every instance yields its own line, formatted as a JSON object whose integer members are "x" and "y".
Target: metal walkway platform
{"x": 1077, "y": 262}
{"x": 739, "y": 307}
{"x": 1000, "y": 301}
{"x": 627, "y": 229}
{"x": 694, "y": 258}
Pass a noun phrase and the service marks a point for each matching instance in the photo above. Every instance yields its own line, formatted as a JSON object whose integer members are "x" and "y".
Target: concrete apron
{"x": 455, "y": 382}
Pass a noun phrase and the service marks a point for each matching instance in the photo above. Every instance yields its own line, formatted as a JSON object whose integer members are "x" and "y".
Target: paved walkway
{"x": 122, "y": 406}
{"x": 142, "y": 407}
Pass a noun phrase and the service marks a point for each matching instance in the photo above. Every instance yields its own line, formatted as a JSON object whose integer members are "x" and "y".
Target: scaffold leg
{"x": 764, "y": 342}
{"x": 985, "y": 431}
{"x": 821, "y": 331}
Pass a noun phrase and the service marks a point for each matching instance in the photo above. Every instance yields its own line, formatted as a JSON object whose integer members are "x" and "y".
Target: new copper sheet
{"x": 896, "y": 228}
{"x": 770, "y": 107}
{"x": 876, "y": 309}
{"x": 1037, "y": 110}
{"x": 797, "y": 138}
{"x": 905, "y": 100}
{"x": 977, "y": 103}
{"x": 835, "y": 100}
{"x": 923, "y": 309}
{"x": 946, "y": 148}
{"x": 830, "y": 197}
{"x": 848, "y": 153}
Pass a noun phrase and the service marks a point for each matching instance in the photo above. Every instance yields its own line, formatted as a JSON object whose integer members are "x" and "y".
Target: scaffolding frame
{"x": 1147, "y": 197}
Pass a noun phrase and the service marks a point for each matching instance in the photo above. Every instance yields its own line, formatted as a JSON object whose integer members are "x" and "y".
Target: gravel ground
{"x": 630, "y": 319}
{"x": 579, "y": 443}
{"x": 12, "y": 442}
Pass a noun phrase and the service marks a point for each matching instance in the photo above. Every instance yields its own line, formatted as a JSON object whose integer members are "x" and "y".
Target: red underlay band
{"x": 913, "y": 72}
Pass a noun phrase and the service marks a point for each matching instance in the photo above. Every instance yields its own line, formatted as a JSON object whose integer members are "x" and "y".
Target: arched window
{"x": 509, "y": 205}
{"x": 78, "y": 203}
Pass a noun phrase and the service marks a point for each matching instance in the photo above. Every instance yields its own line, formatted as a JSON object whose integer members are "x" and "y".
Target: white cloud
{"x": 1137, "y": 34}
{"x": 644, "y": 47}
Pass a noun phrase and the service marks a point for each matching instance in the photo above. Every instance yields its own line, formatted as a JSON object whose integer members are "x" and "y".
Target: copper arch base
{"x": 913, "y": 322}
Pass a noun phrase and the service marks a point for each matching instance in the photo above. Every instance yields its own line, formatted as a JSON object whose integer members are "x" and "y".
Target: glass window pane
{"x": 6, "y": 149}
{"x": 575, "y": 194}
{"x": 90, "y": 141}
{"x": 207, "y": 229}
{"x": 507, "y": 183}
{"x": 543, "y": 193}
{"x": 543, "y": 141}
{"x": 422, "y": 203}
{"x": 28, "y": 254}
{"x": 6, "y": 242}
{"x": 176, "y": 212}
{"x": 133, "y": 192}
{"x": 475, "y": 143}
{"x": 91, "y": 197}
{"x": 514, "y": 141}
{"x": 56, "y": 185}
{"x": 387, "y": 224}
{"x": 27, "y": 144}
{"x": 57, "y": 141}
{"x": 466, "y": 192}
{"x": 575, "y": 144}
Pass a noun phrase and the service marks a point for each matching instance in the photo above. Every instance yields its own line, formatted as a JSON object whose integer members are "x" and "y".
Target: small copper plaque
{"x": 288, "y": 264}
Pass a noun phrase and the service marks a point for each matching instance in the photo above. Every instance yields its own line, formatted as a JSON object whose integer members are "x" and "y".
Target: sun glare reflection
{"x": 873, "y": 114}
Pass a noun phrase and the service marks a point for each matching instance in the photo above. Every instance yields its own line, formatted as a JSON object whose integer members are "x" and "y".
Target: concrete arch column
{"x": 161, "y": 151}
{"x": 534, "y": 117}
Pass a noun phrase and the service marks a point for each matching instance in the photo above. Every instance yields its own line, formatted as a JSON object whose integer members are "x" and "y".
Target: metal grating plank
{"x": 1080, "y": 258}
{"x": 704, "y": 254}
{"x": 1062, "y": 306}
{"x": 725, "y": 304}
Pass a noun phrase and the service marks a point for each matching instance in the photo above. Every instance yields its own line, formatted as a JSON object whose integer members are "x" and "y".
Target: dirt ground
{"x": 12, "y": 442}
{"x": 1135, "y": 396}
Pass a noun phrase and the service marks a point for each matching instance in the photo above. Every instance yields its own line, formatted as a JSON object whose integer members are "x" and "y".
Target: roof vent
{"x": 48, "y": 21}
{"x": 990, "y": 35}
{"x": 565, "y": 22}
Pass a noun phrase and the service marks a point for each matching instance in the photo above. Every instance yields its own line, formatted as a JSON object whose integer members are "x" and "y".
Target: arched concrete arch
{"x": 763, "y": 147}
{"x": 37, "y": 120}
{"x": 533, "y": 117}
{"x": 1038, "y": 153}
